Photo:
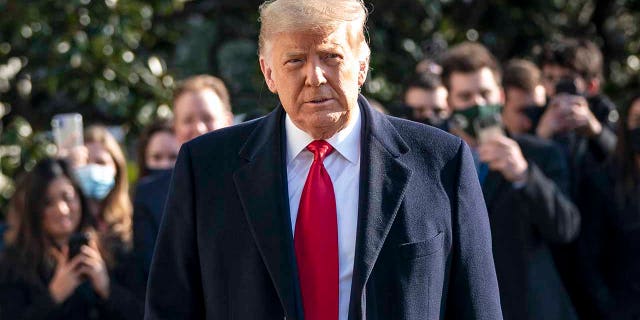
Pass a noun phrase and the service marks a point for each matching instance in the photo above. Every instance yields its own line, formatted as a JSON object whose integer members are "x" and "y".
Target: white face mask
{"x": 96, "y": 181}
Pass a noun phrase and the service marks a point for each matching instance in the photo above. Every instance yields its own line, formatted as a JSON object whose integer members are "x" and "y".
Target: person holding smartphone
{"x": 524, "y": 181}
{"x": 40, "y": 278}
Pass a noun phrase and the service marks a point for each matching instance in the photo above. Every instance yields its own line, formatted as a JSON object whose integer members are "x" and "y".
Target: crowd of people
{"x": 558, "y": 162}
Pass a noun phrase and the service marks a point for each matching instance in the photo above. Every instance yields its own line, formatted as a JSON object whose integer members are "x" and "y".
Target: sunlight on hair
{"x": 280, "y": 16}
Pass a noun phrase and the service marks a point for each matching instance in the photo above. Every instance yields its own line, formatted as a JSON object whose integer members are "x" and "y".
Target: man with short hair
{"x": 200, "y": 104}
{"x": 582, "y": 120}
{"x": 572, "y": 76}
{"x": 523, "y": 180}
{"x": 427, "y": 98}
{"x": 524, "y": 97}
{"x": 324, "y": 209}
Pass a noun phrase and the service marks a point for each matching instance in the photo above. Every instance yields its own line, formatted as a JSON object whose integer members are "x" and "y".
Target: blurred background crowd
{"x": 546, "y": 93}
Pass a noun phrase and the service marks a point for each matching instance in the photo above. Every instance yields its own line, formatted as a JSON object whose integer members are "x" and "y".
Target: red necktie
{"x": 316, "y": 240}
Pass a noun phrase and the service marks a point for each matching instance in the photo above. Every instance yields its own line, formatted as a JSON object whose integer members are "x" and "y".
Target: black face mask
{"x": 438, "y": 123}
{"x": 534, "y": 113}
{"x": 634, "y": 140}
{"x": 154, "y": 172}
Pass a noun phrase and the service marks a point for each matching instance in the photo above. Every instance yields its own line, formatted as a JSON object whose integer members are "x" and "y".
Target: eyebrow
{"x": 330, "y": 46}
{"x": 294, "y": 52}
{"x": 464, "y": 93}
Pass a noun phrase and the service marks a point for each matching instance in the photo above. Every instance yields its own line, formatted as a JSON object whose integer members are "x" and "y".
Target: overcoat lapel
{"x": 262, "y": 189}
{"x": 383, "y": 182}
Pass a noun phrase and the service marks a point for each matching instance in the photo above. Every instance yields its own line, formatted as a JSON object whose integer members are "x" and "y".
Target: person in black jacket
{"x": 157, "y": 148}
{"x": 609, "y": 252}
{"x": 582, "y": 121}
{"x": 200, "y": 104}
{"x": 524, "y": 181}
{"x": 38, "y": 278}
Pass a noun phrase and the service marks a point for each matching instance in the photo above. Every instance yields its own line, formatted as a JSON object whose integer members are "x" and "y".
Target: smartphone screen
{"x": 67, "y": 130}
{"x": 488, "y": 127}
{"x": 76, "y": 242}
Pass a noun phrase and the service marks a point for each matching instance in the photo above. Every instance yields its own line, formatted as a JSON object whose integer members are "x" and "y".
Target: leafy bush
{"x": 116, "y": 62}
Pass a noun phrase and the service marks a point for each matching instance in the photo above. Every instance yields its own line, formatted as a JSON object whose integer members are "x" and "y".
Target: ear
{"x": 593, "y": 86}
{"x": 229, "y": 118}
{"x": 364, "y": 69}
{"x": 267, "y": 72}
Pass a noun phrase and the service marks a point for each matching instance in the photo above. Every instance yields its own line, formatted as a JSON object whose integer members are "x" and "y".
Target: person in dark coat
{"x": 200, "y": 104}
{"x": 157, "y": 148}
{"x": 582, "y": 120}
{"x": 524, "y": 182}
{"x": 39, "y": 279}
{"x": 608, "y": 252}
{"x": 402, "y": 229}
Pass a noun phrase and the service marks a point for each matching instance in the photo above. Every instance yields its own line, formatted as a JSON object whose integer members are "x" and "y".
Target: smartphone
{"x": 568, "y": 86}
{"x": 488, "y": 127}
{"x": 76, "y": 242}
{"x": 67, "y": 130}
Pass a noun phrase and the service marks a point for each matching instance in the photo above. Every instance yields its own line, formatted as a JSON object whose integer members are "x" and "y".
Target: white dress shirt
{"x": 343, "y": 166}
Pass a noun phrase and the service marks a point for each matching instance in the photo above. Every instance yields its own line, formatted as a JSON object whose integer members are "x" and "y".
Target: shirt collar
{"x": 346, "y": 141}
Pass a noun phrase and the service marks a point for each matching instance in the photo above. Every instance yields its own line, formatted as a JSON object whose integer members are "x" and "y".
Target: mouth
{"x": 319, "y": 100}
{"x": 64, "y": 221}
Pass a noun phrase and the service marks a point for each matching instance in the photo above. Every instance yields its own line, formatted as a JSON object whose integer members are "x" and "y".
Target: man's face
{"x": 516, "y": 100}
{"x": 553, "y": 73}
{"x": 427, "y": 104}
{"x": 317, "y": 78}
{"x": 199, "y": 112}
{"x": 474, "y": 88}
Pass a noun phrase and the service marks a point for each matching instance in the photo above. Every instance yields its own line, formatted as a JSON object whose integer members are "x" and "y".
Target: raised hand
{"x": 66, "y": 277}
{"x": 95, "y": 269}
{"x": 503, "y": 154}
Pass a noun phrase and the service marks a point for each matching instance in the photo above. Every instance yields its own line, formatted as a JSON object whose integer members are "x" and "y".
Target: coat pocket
{"x": 415, "y": 250}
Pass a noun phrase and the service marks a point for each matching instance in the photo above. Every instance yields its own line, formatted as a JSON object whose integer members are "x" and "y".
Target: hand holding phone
{"x": 504, "y": 155}
{"x": 76, "y": 242}
{"x": 67, "y": 131}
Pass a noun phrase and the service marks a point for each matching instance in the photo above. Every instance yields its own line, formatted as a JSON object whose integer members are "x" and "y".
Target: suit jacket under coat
{"x": 423, "y": 243}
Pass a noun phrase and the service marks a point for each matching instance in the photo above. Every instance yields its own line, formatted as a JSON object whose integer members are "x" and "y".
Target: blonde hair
{"x": 116, "y": 209}
{"x": 278, "y": 16}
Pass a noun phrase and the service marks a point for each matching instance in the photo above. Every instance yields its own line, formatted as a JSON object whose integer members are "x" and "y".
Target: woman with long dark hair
{"x": 610, "y": 240}
{"x": 40, "y": 276}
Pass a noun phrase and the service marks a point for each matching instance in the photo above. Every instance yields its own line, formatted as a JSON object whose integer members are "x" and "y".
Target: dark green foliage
{"x": 116, "y": 62}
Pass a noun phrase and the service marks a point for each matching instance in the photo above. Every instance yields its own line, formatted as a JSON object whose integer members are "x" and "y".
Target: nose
{"x": 315, "y": 73}
{"x": 479, "y": 100}
{"x": 63, "y": 208}
{"x": 201, "y": 128}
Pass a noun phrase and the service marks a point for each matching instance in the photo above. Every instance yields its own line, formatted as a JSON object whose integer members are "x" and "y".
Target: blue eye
{"x": 292, "y": 61}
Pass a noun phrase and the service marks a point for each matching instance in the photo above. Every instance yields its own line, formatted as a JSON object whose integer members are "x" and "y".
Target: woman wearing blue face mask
{"x": 100, "y": 169}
